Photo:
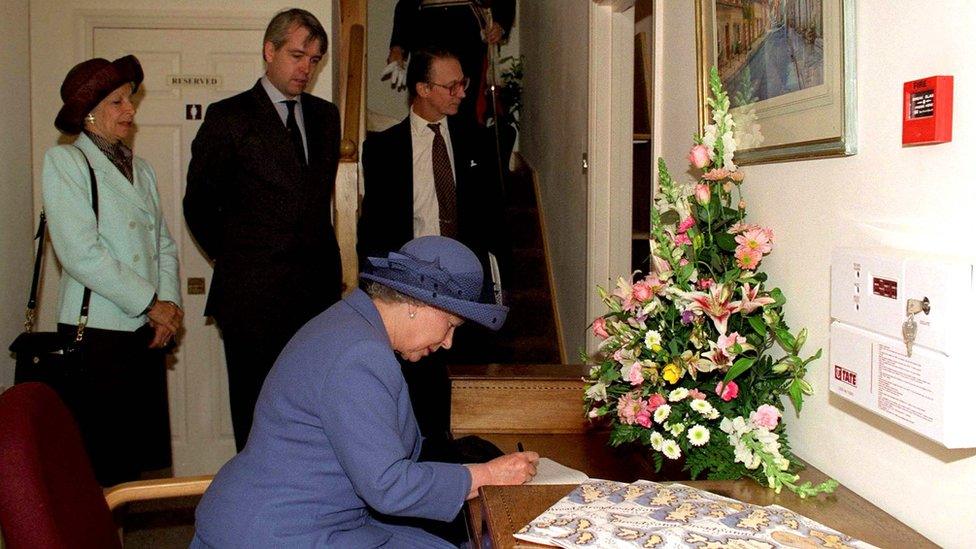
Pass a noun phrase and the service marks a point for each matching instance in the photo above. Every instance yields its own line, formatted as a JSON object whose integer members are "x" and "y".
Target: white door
{"x": 210, "y": 65}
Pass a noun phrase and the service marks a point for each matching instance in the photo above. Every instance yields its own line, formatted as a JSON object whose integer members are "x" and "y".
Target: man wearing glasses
{"x": 432, "y": 174}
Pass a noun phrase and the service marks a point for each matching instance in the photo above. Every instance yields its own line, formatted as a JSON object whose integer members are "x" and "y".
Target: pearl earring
{"x": 413, "y": 314}
{"x": 90, "y": 118}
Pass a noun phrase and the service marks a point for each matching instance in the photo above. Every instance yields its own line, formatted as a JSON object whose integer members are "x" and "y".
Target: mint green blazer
{"x": 127, "y": 257}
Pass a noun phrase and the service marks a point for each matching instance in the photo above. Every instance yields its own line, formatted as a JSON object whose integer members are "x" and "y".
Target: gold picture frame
{"x": 803, "y": 99}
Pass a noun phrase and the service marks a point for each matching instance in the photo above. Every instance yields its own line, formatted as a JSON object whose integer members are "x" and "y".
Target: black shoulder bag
{"x": 51, "y": 357}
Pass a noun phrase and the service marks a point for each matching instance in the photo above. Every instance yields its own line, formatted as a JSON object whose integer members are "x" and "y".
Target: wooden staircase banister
{"x": 353, "y": 100}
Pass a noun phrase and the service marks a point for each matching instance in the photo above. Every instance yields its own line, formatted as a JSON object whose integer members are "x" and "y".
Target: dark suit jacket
{"x": 386, "y": 219}
{"x": 263, "y": 217}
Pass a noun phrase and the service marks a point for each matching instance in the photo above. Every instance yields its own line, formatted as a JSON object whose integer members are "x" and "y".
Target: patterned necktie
{"x": 293, "y": 132}
{"x": 444, "y": 184}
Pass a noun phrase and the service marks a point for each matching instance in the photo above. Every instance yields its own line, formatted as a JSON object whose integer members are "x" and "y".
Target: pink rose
{"x": 642, "y": 291}
{"x": 727, "y": 391}
{"x": 644, "y": 418}
{"x": 655, "y": 401}
{"x": 600, "y": 328}
{"x": 703, "y": 194}
{"x": 766, "y": 416}
{"x": 698, "y": 156}
{"x": 635, "y": 376}
{"x": 696, "y": 394}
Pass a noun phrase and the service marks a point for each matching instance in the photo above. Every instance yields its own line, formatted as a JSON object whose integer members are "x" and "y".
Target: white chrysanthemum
{"x": 656, "y": 440}
{"x": 652, "y": 339}
{"x": 662, "y": 413}
{"x": 701, "y": 406}
{"x": 698, "y": 435}
{"x": 678, "y": 394}
{"x": 676, "y": 429}
{"x": 671, "y": 449}
{"x": 712, "y": 414}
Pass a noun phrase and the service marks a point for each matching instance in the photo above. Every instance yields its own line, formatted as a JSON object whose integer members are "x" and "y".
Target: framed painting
{"x": 788, "y": 66}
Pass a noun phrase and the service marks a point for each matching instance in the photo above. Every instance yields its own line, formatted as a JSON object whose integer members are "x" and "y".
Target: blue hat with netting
{"x": 441, "y": 272}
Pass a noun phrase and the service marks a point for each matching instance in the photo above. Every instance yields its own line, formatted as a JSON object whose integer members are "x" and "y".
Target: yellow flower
{"x": 671, "y": 373}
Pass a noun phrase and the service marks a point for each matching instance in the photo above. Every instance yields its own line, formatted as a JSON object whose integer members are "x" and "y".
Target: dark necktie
{"x": 444, "y": 184}
{"x": 293, "y": 132}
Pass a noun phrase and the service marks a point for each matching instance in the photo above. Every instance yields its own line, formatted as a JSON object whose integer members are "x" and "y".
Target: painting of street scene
{"x": 768, "y": 48}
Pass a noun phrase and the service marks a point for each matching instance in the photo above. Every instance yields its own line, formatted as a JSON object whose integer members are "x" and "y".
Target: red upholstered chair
{"x": 48, "y": 493}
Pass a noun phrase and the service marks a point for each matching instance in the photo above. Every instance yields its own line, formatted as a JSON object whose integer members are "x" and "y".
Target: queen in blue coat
{"x": 335, "y": 443}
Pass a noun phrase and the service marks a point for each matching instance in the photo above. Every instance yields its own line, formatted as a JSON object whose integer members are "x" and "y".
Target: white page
{"x": 552, "y": 472}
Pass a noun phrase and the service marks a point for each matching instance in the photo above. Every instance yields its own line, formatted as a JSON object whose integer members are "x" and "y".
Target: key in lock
{"x": 909, "y": 328}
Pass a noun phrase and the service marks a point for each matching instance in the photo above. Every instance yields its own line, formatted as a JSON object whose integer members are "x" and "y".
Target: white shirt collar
{"x": 274, "y": 93}
{"x": 418, "y": 124}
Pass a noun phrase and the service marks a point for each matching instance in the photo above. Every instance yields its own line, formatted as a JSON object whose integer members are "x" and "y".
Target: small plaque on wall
{"x": 211, "y": 81}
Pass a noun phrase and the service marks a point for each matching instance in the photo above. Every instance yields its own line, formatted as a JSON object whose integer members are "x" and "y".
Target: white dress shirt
{"x": 426, "y": 212}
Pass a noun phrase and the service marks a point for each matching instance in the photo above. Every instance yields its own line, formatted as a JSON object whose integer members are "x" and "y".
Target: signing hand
{"x": 516, "y": 468}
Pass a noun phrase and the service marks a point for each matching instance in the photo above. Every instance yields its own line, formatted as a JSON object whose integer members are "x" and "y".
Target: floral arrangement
{"x": 686, "y": 358}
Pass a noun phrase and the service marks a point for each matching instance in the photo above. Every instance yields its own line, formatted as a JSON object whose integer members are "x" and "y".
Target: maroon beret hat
{"x": 88, "y": 82}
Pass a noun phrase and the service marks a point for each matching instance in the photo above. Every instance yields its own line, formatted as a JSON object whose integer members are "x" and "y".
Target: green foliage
{"x": 692, "y": 351}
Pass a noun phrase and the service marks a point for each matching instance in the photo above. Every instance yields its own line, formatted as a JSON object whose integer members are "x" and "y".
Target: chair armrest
{"x": 142, "y": 490}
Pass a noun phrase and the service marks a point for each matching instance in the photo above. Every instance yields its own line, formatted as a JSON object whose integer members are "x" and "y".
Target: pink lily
{"x": 751, "y": 300}
{"x": 714, "y": 303}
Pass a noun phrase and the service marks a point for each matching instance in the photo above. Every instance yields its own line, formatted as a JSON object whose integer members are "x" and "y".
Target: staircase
{"x": 530, "y": 335}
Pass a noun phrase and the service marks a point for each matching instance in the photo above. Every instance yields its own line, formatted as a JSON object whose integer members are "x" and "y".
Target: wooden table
{"x": 505, "y": 509}
{"x": 541, "y": 407}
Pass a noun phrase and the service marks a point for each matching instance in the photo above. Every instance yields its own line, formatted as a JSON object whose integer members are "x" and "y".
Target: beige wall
{"x": 554, "y": 135}
{"x": 15, "y": 185}
{"x": 886, "y": 195}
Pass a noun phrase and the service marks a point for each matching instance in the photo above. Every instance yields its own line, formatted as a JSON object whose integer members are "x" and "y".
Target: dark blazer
{"x": 263, "y": 217}
{"x": 386, "y": 219}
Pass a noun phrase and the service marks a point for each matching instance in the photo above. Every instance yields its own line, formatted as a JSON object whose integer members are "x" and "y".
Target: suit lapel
{"x": 274, "y": 135}
{"x": 111, "y": 179}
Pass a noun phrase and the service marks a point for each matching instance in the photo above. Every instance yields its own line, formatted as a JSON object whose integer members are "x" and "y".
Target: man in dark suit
{"x": 405, "y": 198}
{"x": 458, "y": 26}
{"x": 257, "y": 201}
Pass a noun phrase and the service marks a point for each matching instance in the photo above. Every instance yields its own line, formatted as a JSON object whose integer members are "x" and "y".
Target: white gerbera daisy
{"x": 662, "y": 413}
{"x": 678, "y": 394}
{"x": 671, "y": 449}
{"x": 656, "y": 440}
{"x": 701, "y": 406}
{"x": 698, "y": 435}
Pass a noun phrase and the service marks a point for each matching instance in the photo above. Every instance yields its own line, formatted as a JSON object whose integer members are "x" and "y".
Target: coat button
{"x": 150, "y": 227}
{"x": 135, "y": 258}
{"x": 132, "y": 224}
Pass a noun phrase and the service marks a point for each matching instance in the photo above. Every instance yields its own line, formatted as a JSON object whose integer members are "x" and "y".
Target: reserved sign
{"x": 194, "y": 80}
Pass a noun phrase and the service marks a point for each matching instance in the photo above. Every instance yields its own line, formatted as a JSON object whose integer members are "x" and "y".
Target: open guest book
{"x": 602, "y": 513}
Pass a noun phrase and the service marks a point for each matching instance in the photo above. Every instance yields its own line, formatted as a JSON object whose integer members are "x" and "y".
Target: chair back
{"x": 48, "y": 493}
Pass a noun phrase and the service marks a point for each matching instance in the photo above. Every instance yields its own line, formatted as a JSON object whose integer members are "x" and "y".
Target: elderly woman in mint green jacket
{"x": 124, "y": 254}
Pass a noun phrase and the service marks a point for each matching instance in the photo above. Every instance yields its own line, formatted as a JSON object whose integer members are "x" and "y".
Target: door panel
{"x": 166, "y": 124}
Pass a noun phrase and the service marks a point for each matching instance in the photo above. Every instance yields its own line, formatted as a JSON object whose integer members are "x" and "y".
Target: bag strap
{"x": 83, "y": 315}
{"x": 38, "y": 257}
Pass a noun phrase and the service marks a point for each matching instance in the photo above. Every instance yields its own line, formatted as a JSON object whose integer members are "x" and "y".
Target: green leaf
{"x": 785, "y": 339}
{"x": 814, "y": 357}
{"x": 796, "y": 396}
{"x": 777, "y": 295}
{"x": 757, "y": 324}
{"x": 726, "y": 242}
{"x": 738, "y": 368}
{"x": 670, "y": 217}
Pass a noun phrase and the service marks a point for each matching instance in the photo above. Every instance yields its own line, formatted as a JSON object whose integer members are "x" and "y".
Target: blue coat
{"x": 334, "y": 441}
{"x": 128, "y": 258}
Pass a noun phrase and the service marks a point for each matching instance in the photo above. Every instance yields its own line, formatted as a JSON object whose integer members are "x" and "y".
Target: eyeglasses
{"x": 455, "y": 87}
